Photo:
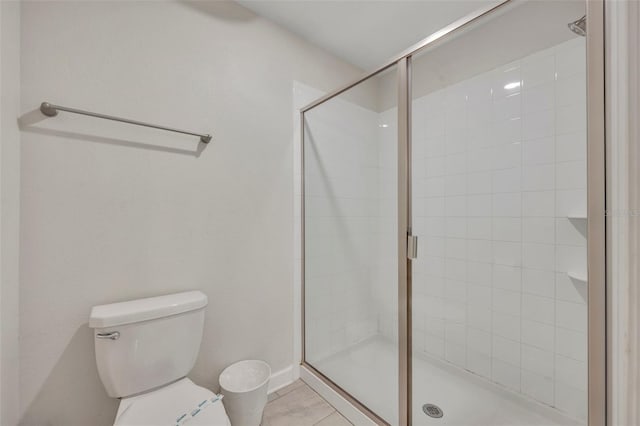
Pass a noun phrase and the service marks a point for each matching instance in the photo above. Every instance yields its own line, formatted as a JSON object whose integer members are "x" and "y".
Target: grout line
{"x": 330, "y": 414}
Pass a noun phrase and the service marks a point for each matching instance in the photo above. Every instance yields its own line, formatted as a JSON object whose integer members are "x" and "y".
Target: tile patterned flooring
{"x": 299, "y": 405}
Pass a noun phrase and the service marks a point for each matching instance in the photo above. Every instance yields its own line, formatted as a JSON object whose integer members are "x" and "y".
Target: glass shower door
{"x": 350, "y": 234}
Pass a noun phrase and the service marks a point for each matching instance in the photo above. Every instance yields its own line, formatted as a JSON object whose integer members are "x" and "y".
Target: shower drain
{"x": 432, "y": 411}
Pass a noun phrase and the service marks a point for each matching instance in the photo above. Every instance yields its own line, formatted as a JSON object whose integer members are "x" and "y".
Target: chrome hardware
{"x": 412, "y": 246}
{"x": 51, "y": 110}
{"x": 114, "y": 335}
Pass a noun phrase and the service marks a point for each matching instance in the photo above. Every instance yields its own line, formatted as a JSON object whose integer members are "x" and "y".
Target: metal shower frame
{"x": 596, "y": 207}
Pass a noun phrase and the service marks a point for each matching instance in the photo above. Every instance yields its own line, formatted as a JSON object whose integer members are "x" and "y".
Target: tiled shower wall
{"x": 499, "y": 168}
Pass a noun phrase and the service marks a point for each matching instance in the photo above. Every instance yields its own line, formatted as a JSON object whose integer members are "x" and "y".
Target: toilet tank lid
{"x": 146, "y": 309}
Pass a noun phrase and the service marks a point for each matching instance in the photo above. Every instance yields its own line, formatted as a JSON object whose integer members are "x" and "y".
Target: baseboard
{"x": 345, "y": 408}
{"x": 282, "y": 378}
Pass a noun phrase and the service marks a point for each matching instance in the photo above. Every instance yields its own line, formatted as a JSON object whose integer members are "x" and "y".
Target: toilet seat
{"x": 172, "y": 405}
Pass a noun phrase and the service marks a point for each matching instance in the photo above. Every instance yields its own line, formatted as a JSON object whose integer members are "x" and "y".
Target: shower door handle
{"x": 412, "y": 246}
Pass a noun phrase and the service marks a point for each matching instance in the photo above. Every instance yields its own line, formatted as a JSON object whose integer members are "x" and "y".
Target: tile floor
{"x": 299, "y": 405}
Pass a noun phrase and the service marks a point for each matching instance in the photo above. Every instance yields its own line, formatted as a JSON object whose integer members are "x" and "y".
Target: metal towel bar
{"x": 51, "y": 110}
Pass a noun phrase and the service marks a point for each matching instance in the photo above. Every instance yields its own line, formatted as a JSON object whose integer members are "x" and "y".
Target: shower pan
{"x": 453, "y": 226}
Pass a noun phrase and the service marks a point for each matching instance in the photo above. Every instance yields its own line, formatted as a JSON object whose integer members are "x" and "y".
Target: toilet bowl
{"x": 144, "y": 350}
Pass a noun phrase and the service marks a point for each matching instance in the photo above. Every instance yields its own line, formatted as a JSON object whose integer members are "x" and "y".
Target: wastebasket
{"x": 244, "y": 386}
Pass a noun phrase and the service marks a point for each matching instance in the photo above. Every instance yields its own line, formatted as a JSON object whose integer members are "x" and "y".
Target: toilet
{"x": 144, "y": 350}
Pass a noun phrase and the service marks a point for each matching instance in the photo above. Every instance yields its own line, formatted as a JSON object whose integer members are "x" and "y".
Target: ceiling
{"x": 363, "y": 32}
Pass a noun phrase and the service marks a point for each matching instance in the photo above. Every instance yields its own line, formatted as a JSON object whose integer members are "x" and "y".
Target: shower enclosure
{"x": 453, "y": 225}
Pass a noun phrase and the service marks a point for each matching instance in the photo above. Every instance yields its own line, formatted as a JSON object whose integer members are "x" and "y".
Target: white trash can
{"x": 244, "y": 386}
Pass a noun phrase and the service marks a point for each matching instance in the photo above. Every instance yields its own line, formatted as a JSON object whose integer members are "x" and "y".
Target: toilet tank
{"x": 146, "y": 343}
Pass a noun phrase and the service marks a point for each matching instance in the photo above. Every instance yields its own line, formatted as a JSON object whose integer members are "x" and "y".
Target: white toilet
{"x": 144, "y": 350}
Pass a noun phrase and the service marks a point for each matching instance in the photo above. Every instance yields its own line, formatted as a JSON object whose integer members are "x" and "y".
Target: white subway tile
{"x": 507, "y": 229}
{"x": 479, "y": 273}
{"x": 507, "y": 277}
{"x": 571, "y": 400}
{"x": 506, "y": 350}
{"x": 479, "y": 250}
{"x": 434, "y": 226}
{"x": 538, "y": 230}
{"x": 506, "y": 374}
{"x": 434, "y": 187}
{"x": 541, "y": 97}
{"x": 571, "y": 175}
{"x": 479, "y": 183}
{"x": 479, "y": 295}
{"x": 507, "y": 204}
{"x": 506, "y": 301}
{"x": 479, "y": 363}
{"x": 539, "y": 361}
{"x": 571, "y": 119}
{"x": 572, "y": 202}
{"x": 538, "y": 204}
{"x": 480, "y": 317}
{"x": 506, "y": 80}
{"x": 538, "y": 387}
{"x": 455, "y": 206}
{"x": 456, "y": 227}
{"x": 571, "y": 259}
{"x": 455, "y": 354}
{"x": 538, "y": 178}
{"x": 434, "y": 327}
{"x": 507, "y": 180}
{"x": 507, "y": 108}
{"x": 455, "y": 164}
{"x": 538, "y": 256}
{"x": 506, "y": 131}
{"x": 538, "y": 151}
{"x": 506, "y": 325}
{"x": 571, "y": 147}
{"x": 571, "y": 344}
{"x": 571, "y": 90}
{"x": 538, "y": 334}
{"x": 479, "y": 341}
{"x": 539, "y": 124}
{"x": 479, "y": 228}
{"x": 537, "y": 308}
{"x": 479, "y": 160}
{"x": 571, "y": 372}
{"x": 433, "y": 167}
{"x": 538, "y": 282}
{"x": 571, "y": 315}
{"x": 455, "y": 248}
{"x": 507, "y": 156}
{"x": 479, "y": 205}
{"x": 507, "y": 253}
{"x": 435, "y": 346}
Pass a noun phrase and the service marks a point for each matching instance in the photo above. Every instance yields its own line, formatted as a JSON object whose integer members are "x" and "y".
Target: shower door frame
{"x": 597, "y": 307}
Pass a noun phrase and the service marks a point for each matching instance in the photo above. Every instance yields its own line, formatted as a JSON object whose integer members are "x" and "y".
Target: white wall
{"x": 497, "y": 174}
{"x": 9, "y": 208}
{"x": 112, "y": 212}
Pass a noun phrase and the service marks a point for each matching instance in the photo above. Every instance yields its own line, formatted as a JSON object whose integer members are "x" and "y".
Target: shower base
{"x": 368, "y": 371}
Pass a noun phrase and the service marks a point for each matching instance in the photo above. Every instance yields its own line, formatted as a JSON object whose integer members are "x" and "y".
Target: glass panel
{"x": 351, "y": 253}
{"x": 499, "y": 205}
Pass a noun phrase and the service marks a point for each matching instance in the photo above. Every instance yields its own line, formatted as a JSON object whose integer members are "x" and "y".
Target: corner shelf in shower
{"x": 577, "y": 277}
{"x": 577, "y": 217}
